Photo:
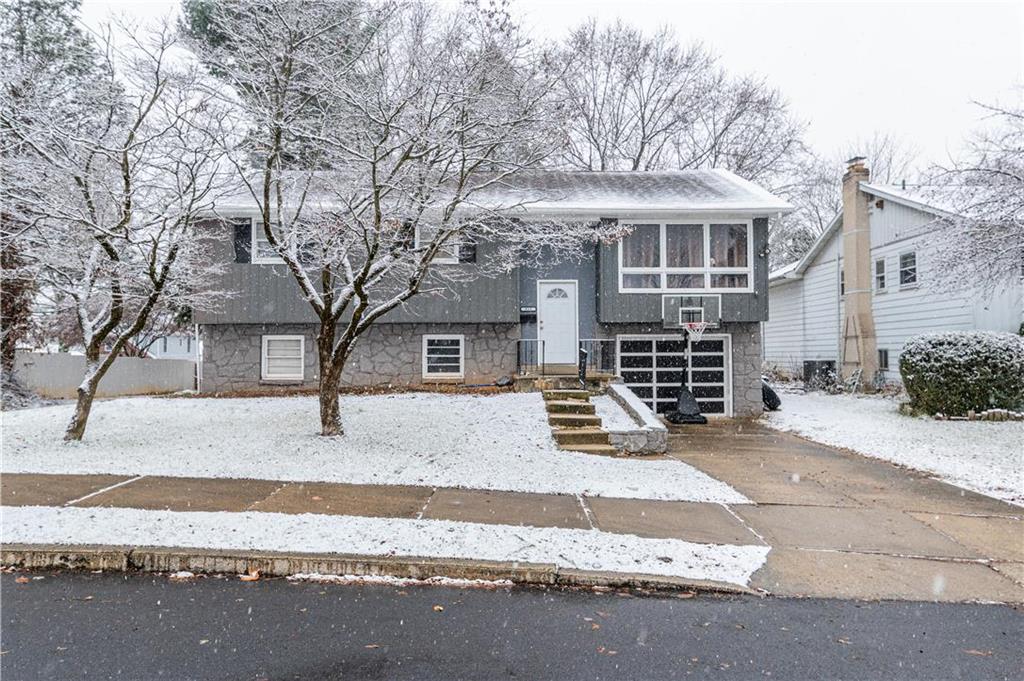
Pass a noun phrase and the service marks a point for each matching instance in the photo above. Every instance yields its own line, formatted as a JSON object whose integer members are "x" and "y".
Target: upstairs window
{"x": 262, "y": 252}
{"x": 686, "y": 257}
{"x": 448, "y": 254}
{"x": 908, "y": 269}
{"x": 880, "y": 274}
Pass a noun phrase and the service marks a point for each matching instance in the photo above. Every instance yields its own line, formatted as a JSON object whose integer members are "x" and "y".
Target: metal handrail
{"x": 600, "y": 354}
{"x": 523, "y": 363}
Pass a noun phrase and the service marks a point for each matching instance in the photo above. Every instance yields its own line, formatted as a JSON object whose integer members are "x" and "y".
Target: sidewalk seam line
{"x": 105, "y": 489}
{"x": 433, "y": 491}
{"x": 587, "y": 513}
{"x": 745, "y": 524}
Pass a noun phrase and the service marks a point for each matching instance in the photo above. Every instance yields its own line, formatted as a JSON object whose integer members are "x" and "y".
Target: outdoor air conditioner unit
{"x": 680, "y": 309}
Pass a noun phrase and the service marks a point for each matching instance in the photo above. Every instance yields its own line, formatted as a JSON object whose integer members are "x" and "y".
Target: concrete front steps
{"x": 574, "y": 423}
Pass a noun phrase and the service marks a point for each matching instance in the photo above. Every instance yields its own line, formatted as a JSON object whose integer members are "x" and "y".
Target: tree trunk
{"x": 330, "y": 379}
{"x": 86, "y": 393}
{"x": 76, "y": 429}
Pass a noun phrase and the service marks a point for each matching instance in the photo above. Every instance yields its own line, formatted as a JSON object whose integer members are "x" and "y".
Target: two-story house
{"x": 699, "y": 242}
{"x": 869, "y": 283}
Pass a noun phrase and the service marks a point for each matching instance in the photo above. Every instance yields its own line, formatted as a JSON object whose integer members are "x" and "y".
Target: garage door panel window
{"x": 686, "y": 257}
{"x": 707, "y": 372}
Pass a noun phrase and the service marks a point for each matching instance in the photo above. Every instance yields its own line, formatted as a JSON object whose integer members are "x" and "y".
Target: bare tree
{"x": 982, "y": 233}
{"x": 639, "y": 102}
{"x": 110, "y": 196}
{"x": 814, "y": 186}
{"x": 409, "y": 122}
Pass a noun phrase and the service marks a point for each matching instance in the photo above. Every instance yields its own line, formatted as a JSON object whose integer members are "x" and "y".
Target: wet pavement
{"x": 102, "y": 626}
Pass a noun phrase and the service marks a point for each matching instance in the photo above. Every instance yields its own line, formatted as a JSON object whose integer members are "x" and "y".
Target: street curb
{"x": 279, "y": 564}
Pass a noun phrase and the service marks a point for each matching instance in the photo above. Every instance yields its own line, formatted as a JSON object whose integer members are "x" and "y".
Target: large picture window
{"x": 686, "y": 257}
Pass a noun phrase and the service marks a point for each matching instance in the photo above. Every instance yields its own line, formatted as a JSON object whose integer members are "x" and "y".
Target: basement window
{"x": 883, "y": 360}
{"x": 908, "y": 269}
{"x": 444, "y": 356}
{"x": 282, "y": 358}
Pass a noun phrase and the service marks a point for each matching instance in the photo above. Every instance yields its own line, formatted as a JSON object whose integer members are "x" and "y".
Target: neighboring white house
{"x": 806, "y": 311}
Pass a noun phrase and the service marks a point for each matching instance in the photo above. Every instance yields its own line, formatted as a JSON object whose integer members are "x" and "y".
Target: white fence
{"x": 57, "y": 375}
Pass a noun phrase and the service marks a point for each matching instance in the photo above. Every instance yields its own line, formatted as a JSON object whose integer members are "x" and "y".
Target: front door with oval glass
{"x": 557, "y": 321}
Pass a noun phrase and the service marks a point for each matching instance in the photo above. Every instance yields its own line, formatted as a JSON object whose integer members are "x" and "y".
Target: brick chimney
{"x": 859, "y": 346}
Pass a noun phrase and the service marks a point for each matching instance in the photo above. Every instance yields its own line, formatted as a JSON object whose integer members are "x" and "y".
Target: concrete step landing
{"x": 580, "y": 436}
{"x": 561, "y": 395}
{"x": 574, "y": 420}
{"x": 569, "y": 407}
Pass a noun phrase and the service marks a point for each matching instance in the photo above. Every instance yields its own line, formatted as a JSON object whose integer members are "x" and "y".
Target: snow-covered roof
{"x": 698, "y": 191}
{"x": 611, "y": 194}
{"x": 923, "y": 198}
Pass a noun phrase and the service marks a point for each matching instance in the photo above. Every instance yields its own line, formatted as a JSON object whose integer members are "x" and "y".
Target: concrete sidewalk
{"x": 843, "y": 525}
{"x": 839, "y": 525}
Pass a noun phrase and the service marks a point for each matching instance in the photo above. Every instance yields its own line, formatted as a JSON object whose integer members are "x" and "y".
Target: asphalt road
{"x": 112, "y": 626}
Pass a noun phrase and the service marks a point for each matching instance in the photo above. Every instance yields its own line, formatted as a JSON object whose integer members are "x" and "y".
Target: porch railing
{"x": 529, "y": 356}
{"x": 600, "y": 355}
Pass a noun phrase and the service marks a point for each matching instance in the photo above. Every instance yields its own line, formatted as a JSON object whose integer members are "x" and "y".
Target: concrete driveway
{"x": 842, "y": 525}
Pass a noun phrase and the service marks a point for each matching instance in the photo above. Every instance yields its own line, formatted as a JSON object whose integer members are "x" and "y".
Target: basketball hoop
{"x": 695, "y": 330}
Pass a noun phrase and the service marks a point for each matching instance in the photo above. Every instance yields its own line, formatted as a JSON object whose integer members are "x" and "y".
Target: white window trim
{"x": 727, "y": 368}
{"x": 900, "y": 268}
{"x": 462, "y": 355}
{"x": 706, "y": 270}
{"x": 452, "y": 243}
{"x": 885, "y": 276}
{"x": 256, "y": 225}
{"x": 263, "y": 358}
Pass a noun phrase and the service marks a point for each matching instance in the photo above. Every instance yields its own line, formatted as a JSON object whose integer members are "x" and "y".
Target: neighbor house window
{"x": 262, "y": 252}
{"x": 685, "y": 257}
{"x": 883, "y": 360}
{"x": 448, "y": 254}
{"x": 283, "y": 358}
{"x": 908, "y": 269}
{"x": 880, "y": 274}
{"x": 842, "y": 282}
{"x": 443, "y": 356}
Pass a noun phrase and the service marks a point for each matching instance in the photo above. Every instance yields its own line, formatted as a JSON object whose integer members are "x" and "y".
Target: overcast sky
{"x": 848, "y": 68}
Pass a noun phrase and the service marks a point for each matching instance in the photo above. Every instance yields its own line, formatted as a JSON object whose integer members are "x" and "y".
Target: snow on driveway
{"x": 983, "y": 456}
{"x": 499, "y": 442}
{"x": 567, "y": 548}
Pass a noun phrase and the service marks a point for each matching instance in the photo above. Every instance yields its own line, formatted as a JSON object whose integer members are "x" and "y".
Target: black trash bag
{"x": 769, "y": 397}
{"x": 687, "y": 410}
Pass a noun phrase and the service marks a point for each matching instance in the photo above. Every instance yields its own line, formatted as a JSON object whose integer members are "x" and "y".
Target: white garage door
{"x": 653, "y": 366}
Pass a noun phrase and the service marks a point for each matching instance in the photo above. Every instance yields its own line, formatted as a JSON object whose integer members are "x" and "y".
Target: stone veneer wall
{"x": 746, "y": 359}
{"x": 386, "y": 354}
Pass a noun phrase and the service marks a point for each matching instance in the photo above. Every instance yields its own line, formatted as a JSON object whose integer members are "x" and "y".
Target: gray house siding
{"x": 646, "y": 307}
{"x": 267, "y": 294}
{"x": 584, "y": 272}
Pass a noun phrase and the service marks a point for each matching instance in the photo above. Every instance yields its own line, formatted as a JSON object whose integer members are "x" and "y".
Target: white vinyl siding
{"x": 444, "y": 356}
{"x": 283, "y": 358}
{"x": 804, "y": 315}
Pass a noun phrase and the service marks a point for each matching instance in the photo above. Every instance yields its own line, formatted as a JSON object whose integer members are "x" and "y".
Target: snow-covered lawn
{"x": 581, "y": 549}
{"x": 500, "y": 442}
{"x": 983, "y": 456}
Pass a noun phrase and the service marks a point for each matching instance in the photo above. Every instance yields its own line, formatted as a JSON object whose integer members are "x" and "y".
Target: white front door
{"x": 557, "y": 321}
